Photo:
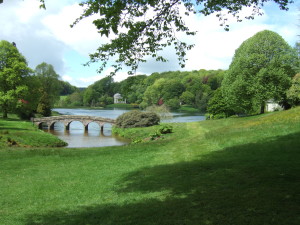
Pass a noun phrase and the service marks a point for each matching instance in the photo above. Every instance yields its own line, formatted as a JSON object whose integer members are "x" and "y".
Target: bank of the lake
{"x": 230, "y": 172}
{"x": 18, "y": 133}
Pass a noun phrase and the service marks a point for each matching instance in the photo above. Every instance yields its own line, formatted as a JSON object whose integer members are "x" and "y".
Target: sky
{"x": 46, "y": 36}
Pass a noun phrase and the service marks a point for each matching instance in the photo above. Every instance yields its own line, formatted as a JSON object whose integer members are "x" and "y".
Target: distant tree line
{"x": 173, "y": 88}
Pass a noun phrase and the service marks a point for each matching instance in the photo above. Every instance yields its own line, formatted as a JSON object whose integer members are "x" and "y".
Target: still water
{"x": 77, "y": 137}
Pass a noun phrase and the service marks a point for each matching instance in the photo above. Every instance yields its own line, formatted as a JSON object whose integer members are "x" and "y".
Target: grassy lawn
{"x": 233, "y": 171}
{"x": 14, "y": 132}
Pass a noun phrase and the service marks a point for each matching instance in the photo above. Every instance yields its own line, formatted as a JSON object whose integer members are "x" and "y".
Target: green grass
{"x": 233, "y": 171}
{"x": 122, "y": 105}
{"x": 188, "y": 108}
{"x": 14, "y": 132}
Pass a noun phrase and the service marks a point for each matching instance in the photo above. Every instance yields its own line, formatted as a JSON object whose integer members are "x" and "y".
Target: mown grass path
{"x": 233, "y": 171}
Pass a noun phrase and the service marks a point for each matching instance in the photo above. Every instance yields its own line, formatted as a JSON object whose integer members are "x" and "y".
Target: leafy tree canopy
{"x": 50, "y": 86}
{"x": 261, "y": 69}
{"x": 142, "y": 28}
{"x": 13, "y": 68}
{"x": 293, "y": 94}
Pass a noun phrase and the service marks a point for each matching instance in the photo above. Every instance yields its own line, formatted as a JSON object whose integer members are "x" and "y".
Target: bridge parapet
{"x": 68, "y": 119}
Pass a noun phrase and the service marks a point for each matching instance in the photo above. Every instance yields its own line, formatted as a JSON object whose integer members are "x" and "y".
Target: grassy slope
{"x": 233, "y": 171}
{"x": 14, "y": 132}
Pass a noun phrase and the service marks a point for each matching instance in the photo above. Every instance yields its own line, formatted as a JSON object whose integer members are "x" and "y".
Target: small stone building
{"x": 272, "y": 106}
{"x": 118, "y": 98}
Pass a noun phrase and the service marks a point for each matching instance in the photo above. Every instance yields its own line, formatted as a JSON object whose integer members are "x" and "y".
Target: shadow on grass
{"x": 249, "y": 184}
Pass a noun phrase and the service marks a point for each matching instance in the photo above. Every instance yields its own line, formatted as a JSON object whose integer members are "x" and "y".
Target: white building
{"x": 118, "y": 98}
{"x": 272, "y": 106}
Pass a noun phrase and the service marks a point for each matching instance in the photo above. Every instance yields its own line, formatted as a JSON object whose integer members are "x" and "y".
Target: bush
{"x": 137, "y": 119}
{"x": 174, "y": 103}
{"x": 163, "y": 111}
{"x": 165, "y": 129}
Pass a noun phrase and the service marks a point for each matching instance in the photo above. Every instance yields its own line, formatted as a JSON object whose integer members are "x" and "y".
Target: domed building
{"x": 118, "y": 98}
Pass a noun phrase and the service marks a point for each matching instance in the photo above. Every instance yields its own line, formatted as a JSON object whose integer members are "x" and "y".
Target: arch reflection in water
{"x": 77, "y": 137}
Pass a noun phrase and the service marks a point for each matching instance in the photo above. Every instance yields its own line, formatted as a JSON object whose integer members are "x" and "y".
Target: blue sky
{"x": 45, "y": 36}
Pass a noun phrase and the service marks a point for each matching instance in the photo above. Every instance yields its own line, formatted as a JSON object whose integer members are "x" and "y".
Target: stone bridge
{"x": 68, "y": 119}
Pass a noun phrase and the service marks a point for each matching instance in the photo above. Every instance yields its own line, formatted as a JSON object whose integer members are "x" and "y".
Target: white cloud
{"x": 27, "y": 11}
{"x": 83, "y": 37}
{"x": 67, "y": 78}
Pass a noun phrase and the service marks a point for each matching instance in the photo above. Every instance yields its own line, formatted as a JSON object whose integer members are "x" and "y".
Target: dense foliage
{"x": 13, "y": 69}
{"x": 293, "y": 94}
{"x": 49, "y": 86}
{"x": 137, "y": 118}
{"x": 25, "y": 91}
{"x": 99, "y": 93}
{"x": 173, "y": 89}
{"x": 261, "y": 69}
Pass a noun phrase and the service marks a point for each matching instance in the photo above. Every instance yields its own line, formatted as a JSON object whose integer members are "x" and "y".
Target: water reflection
{"x": 77, "y": 136}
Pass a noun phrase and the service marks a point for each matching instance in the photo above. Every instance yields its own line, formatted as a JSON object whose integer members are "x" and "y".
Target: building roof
{"x": 117, "y": 95}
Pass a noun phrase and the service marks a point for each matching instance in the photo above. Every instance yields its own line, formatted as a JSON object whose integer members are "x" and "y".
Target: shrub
{"x": 165, "y": 129}
{"x": 137, "y": 119}
{"x": 174, "y": 103}
{"x": 163, "y": 111}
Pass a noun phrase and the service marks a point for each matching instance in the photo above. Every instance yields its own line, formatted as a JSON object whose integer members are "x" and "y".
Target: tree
{"x": 261, "y": 69}
{"x": 67, "y": 88}
{"x": 27, "y": 105}
{"x": 104, "y": 87}
{"x": 217, "y": 106}
{"x": 13, "y": 68}
{"x": 154, "y": 93}
{"x": 43, "y": 106}
{"x": 133, "y": 88}
{"x": 187, "y": 98}
{"x": 142, "y": 28}
{"x": 50, "y": 86}
{"x": 168, "y": 90}
{"x": 89, "y": 96}
{"x": 297, "y": 48}
{"x": 293, "y": 94}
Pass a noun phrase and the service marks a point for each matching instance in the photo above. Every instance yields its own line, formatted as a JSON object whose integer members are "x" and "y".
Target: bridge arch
{"x": 40, "y": 125}
{"x": 52, "y": 123}
{"x": 67, "y": 120}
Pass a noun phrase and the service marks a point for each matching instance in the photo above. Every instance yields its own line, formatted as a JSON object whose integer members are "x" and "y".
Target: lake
{"x": 77, "y": 137}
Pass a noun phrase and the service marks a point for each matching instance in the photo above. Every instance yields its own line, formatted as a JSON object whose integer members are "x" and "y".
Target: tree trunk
{"x": 4, "y": 110}
{"x": 4, "y": 115}
{"x": 262, "y": 108}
